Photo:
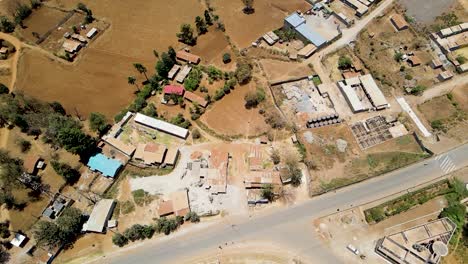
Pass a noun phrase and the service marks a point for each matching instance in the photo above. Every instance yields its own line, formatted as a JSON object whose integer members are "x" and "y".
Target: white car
{"x": 353, "y": 249}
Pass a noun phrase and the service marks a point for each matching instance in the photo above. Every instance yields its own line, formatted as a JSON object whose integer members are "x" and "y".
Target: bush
{"x": 135, "y": 232}
{"x": 344, "y": 62}
{"x": 4, "y": 89}
{"x": 243, "y": 72}
{"x": 98, "y": 123}
{"x": 196, "y": 134}
{"x": 267, "y": 192}
{"x": 252, "y": 99}
{"x": 166, "y": 226}
{"x": 408, "y": 76}
{"x": 275, "y": 157}
{"x": 226, "y": 58}
{"x": 6, "y": 25}
{"x": 24, "y": 145}
{"x": 375, "y": 214}
{"x": 193, "y": 79}
{"x": 119, "y": 240}
{"x": 69, "y": 174}
{"x": 437, "y": 125}
{"x": 418, "y": 90}
{"x": 456, "y": 213}
{"x": 461, "y": 59}
{"x": 398, "y": 56}
{"x": 192, "y": 217}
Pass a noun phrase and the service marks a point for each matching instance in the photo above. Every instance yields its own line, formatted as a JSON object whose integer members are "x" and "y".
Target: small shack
{"x": 414, "y": 61}
{"x": 19, "y": 240}
{"x": 436, "y": 64}
{"x": 32, "y": 164}
{"x": 71, "y": 46}
{"x": 92, "y": 33}
{"x": 101, "y": 213}
{"x": 174, "y": 89}
{"x": 188, "y": 57}
{"x": 399, "y": 22}
{"x": 194, "y": 98}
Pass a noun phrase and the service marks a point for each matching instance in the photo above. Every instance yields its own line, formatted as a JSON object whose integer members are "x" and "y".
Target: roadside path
{"x": 291, "y": 227}
{"x": 441, "y": 89}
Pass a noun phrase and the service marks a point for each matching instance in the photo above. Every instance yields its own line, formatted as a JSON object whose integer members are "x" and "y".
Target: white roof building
{"x": 91, "y": 33}
{"x": 161, "y": 125}
{"x": 101, "y": 213}
{"x": 18, "y": 240}
{"x": 352, "y": 97}
{"x": 375, "y": 94}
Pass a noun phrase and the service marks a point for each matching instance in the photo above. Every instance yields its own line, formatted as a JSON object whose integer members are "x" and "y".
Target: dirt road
{"x": 441, "y": 89}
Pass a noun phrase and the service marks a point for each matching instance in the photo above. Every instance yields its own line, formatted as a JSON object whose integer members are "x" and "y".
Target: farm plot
{"x": 280, "y": 70}
{"x": 211, "y": 47}
{"x": 269, "y": 15}
{"x": 230, "y": 117}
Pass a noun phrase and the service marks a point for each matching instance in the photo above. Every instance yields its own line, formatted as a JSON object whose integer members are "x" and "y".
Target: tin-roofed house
{"x": 106, "y": 166}
{"x": 102, "y": 212}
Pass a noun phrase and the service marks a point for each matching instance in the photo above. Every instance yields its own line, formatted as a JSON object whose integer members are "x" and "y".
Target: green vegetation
{"x": 69, "y": 174}
{"x": 248, "y": 7}
{"x": 98, "y": 123}
{"x": 267, "y": 192}
{"x": 192, "y": 217}
{"x": 226, "y": 58}
{"x": 88, "y": 13}
{"x": 6, "y": 25}
{"x": 446, "y": 20}
{"x": 201, "y": 25}
{"x": 316, "y": 80}
{"x": 21, "y": 13}
{"x": 186, "y": 35}
{"x": 208, "y": 19}
{"x": 461, "y": 59}
{"x": 275, "y": 156}
{"x": 438, "y": 125}
{"x": 141, "y": 197}
{"x": 63, "y": 231}
{"x": 10, "y": 169}
{"x": 243, "y": 72}
{"x": 179, "y": 120}
{"x": 253, "y": 98}
{"x": 408, "y": 76}
{"x": 4, "y": 89}
{"x": 418, "y": 197}
{"x": 193, "y": 79}
{"x": 119, "y": 240}
{"x": 24, "y": 144}
{"x": 139, "y": 232}
{"x": 344, "y": 62}
{"x": 196, "y": 133}
{"x": 285, "y": 35}
{"x": 418, "y": 89}
{"x": 127, "y": 207}
{"x": 398, "y": 56}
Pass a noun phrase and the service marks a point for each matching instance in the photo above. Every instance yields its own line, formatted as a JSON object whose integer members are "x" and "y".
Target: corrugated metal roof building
{"x": 351, "y": 97}
{"x": 161, "y": 125}
{"x": 101, "y": 213}
{"x": 297, "y": 22}
{"x": 374, "y": 93}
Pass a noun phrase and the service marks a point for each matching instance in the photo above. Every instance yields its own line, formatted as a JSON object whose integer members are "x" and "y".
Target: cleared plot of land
{"x": 97, "y": 83}
{"x": 40, "y": 21}
{"x": 269, "y": 15}
{"x": 211, "y": 47}
{"x": 425, "y": 11}
{"x": 437, "y": 108}
{"x": 281, "y": 70}
{"x": 230, "y": 117}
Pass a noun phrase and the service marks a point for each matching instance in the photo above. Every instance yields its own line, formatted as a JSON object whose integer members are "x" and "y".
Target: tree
{"x": 6, "y": 25}
{"x": 24, "y": 145}
{"x": 132, "y": 81}
{"x": 243, "y": 72}
{"x": 151, "y": 110}
{"x": 135, "y": 232}
{"x": 253, "y": 98}
{"x": 248, "y": 7}
{"x": 186, "y": 34}
{"x": 172, "y": 53}
{"x": 4, "y": 89}
{"x": 164, "y": 65}
{"x": 226, "y": 58}
{"x": 4, "y": 256}
{"x": 193, "y": 79}
{"x": 70, "y": 223}
{"x": 58, "y": 108}
{"x": 48, "y": 234}
{"x": 418, "y": 90}
{"x": 98, "y": 123}
{"x": 166, "y": 226}
{"x": 461, "y": 59}
{"x": 192, "y": 217}
{"x": 141, "y": 69}
{"x": 69, "y": 174}
{"x": 437, "y": 124}
{"x": 76, "y": 142}
{"x": 275, "y": 156}
{"x": 267, "y": 192}
{"x": 156, "y": 54}
{"x": 119, "y": 240}
{"x": 208, "y": 18}
{"x": 456, "y": 213}
{"x": 344, "y": 62}
{"x": 201, "y": 26}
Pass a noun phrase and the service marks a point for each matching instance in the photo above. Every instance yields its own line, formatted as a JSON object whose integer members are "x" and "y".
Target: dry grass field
{"x": 230, "y": 117}
{"x": 280, "y": 70}
{"x": 269, "y": 15}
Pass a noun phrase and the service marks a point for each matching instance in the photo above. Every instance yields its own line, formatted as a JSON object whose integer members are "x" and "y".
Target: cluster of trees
{"x": 21, "y": 13}
{"x": 193, "y": 79}
{"x": 418, "y": 89}
{"x": 63, "y": 231}
{"x": 163, "y": 225}
{"x": 6, "y": 25}
{"x": 49, "y": 120}
{"x": 88, "y": 13}
{"x": 253, "y": 98}
{"x": 243, "y": 71}
{"x": 10, "y": 169}
{"x": 196, "y": 111}
{"x": 273, "y": 118}
{"x": 179, "y": 120}
{"x": 286, "y": 35}
{"x": 186, "y": 34}
{"x": 98, "y": 123}
{"x": 69, "y": 174}
{"x": 293, "y": 171}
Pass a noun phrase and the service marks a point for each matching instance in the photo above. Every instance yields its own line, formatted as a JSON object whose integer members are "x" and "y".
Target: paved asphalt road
{"x": 290, "y": 227}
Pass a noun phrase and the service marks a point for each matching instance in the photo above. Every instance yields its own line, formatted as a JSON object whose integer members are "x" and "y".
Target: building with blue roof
{"x": 304, "y": 31}
{"x": 107, "y": 166}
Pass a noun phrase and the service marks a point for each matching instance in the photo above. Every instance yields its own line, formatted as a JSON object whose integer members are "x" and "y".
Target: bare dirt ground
{"x": 269, "y": 15}
{"x": 425, "y": 11}
{"x": 230, "y": 117}
{"x": 280, "y": 70}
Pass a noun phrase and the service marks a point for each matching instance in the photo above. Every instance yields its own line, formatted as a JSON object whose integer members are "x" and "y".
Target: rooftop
{"x": 161, "y": 125}
{"x": 376, "y": 96}
{"x": 108, "y": 167}
{"x": 102, "y": 211}
{"x": 173, "y": 89}
{"x": 189, "y": 57}
{"x": 192, "y": 97}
